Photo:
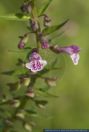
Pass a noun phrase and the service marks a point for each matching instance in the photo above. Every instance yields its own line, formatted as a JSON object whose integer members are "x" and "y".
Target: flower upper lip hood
{"x": 35, "y": 56}
{"x": 36, "y": 63}
{"x": 70, "y": 49}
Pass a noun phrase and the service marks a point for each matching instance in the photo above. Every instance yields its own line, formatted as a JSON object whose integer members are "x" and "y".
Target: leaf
{"x": 11, "y": 72}
{"x": 27, "y": 48}
{"x": 44, "y": 89}
{"x": 13, "y": 86}
{"x": 17, "y": 72}
{"x": 20, "y": 62}
{"x": 41, "y": 102}
{"x": 16, "y": 17}
{"x": 43, "y": 9}
{"x": 54, "y": 62}
{"x": 54, "y": 28}
{"x": 30, "y": 111}
{"x": 56, "y": 36}
{"x": 2, "y": 125}
{"x": 44, "y": 71}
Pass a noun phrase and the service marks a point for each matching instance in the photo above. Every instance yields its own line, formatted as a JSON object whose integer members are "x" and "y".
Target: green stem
{"x": 35, "y": 16}
{"x": 33, "y": 78}
{"x": 37, "y": 41}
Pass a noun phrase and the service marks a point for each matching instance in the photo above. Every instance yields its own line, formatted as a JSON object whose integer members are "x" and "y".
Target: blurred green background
{"x": 71, "y": 108}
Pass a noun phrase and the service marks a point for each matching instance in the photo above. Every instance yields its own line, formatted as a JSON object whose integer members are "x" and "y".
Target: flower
{"x": 72, "y": 51}
{"x": 36, "y": 63}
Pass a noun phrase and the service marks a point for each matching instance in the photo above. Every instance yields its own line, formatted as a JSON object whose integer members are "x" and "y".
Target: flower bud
{"x": 15, "y": 103}
{"x": 21, "y": 45}
{"x": 44, "y": 44}
{"x": 26, "y": 7}
{"x": 28, "y": 127}
{"x": 9, "y": 122}
{"x": 51, "y": 81}
{"x": 34, "y": 25}
{"x": 41, "y": 106}
{"x": 41, "y": 103}
{"x": 23, "y": 41}
{"x": 47, "y": 21}
{"x": 21, "y": 114}
{"x": 43, "y": 41}
{"x": 30, "y": 93}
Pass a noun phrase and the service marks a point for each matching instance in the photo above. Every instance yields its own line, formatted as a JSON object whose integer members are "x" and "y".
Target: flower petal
{"x": 28, "y": 65}
{"x": 36, "y": 65}
{"x": 75, "y": 58}
{"x": 35, "y": 56}
{"x": 43, "y": 62}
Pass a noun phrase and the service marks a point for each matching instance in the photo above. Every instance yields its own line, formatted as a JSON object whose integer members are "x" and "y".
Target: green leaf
{"x": 41, "y": 102}
{"x": 56, "y": 36}
{"x": 54, "y": 62}
{"x": 20, "y": 62}
{"x": 43, "y": 89}
{"x": 9, "y": 73}
{"x": 54, "y": 28}
{"x": 14, "y": 86}
{"x": 43, "y": 9}
{"x": 31, "y": 111}
{"x": 16, "y": 17}
{"x": 44, "y": 71}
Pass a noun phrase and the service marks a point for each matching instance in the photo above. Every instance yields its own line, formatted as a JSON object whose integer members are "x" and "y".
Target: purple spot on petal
{"x": 39, "y": 65}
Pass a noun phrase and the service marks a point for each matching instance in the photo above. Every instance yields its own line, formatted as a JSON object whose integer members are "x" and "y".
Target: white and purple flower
{"x": 72, "y": 51}
{"x": 36, "y": 63}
